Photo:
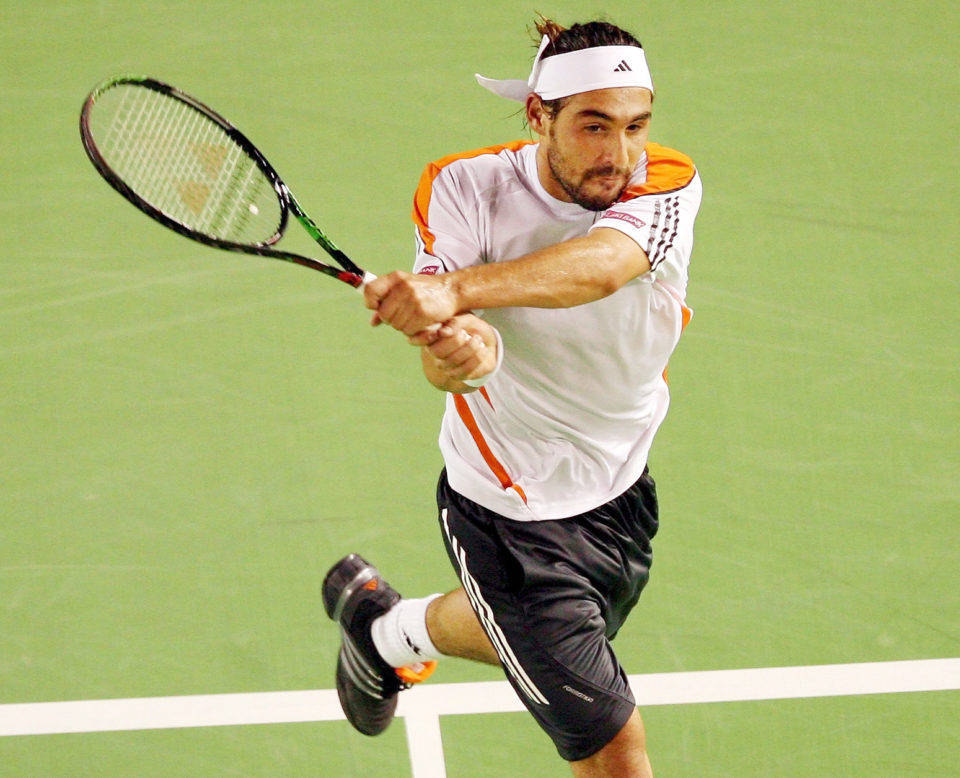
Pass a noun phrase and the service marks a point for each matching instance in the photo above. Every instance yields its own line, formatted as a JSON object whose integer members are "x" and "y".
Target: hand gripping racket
{"x": 186, "y": 166}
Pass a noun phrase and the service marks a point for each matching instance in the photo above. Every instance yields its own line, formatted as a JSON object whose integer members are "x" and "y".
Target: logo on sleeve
{"x": 636, "y": 221}
{"x": 429, "y": 270}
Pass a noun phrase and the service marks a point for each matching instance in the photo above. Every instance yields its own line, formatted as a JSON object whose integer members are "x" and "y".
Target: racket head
{"x": 183, "y": 164}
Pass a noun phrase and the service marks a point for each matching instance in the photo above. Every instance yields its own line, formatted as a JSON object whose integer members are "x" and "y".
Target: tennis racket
{"x": 184, "y": 165}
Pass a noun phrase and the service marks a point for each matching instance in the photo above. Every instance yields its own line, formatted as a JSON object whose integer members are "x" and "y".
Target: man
{"x": 547, "y": 298}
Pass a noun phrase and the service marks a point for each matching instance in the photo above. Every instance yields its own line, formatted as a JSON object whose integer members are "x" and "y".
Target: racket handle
{"x": 367, "y": 278}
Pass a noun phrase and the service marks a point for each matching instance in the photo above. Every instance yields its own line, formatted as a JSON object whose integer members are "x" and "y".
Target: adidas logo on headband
{"x": 622, "y": 67}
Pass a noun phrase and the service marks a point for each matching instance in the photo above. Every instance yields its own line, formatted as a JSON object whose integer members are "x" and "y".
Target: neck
{"x": 547, "y": 180}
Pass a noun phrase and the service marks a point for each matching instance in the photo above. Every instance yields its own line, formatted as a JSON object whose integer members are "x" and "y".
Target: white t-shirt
{"x": 567, "y": 423}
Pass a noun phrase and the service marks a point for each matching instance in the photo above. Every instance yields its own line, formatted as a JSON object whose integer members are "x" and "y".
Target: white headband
{"x": 584, "y": 70}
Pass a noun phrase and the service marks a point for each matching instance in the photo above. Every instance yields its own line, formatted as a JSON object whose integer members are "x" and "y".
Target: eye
{"x": 593, "y": 128}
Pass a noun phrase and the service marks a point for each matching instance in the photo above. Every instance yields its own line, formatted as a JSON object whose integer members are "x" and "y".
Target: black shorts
{"x": 550, "y": 596}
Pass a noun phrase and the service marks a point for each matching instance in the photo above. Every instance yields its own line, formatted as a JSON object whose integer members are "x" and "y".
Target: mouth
{"x": 608, "y": 182}
{"x": 607, "y": 177}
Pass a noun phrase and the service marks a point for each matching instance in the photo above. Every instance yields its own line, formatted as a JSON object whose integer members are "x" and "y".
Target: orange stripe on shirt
{"x": 667, "y": 171}
{"x": 685, "y": 315}
{"x": 466, "y": 416}
{"x": 421, "y": 200}
{"x": 486, "y": 397}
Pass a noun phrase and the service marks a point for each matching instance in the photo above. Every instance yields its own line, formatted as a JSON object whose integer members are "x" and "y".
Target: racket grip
{"x": 367, "y": 278}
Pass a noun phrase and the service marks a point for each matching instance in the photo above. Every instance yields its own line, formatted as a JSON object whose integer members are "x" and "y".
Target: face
{"x": 589, "y": 149}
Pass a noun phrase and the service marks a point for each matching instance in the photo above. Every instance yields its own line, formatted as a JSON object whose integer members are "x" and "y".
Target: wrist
{"x": 454, "y": 288}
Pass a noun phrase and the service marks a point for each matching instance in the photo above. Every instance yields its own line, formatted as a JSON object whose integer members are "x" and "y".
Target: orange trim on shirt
{"x": 667, "y": 171}
{"x": 466, "y": 416}
{"x": 685, "y": 315}
{"x": 421, "y": 199}
{"x": 486, "y": 396}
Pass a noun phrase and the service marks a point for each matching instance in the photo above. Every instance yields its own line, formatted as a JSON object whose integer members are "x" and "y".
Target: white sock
{"x": 400, "y": 635}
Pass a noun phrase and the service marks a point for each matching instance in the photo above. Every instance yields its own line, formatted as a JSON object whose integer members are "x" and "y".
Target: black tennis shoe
{"x": 354, "y": 594}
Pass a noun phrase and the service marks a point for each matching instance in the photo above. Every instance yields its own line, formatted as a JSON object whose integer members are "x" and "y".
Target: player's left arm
{"x": 566, "y": 274}
{"x": 462, "y": 348}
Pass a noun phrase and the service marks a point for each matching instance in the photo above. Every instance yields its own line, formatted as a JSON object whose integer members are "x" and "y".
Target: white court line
{"x": 423, "y": 706}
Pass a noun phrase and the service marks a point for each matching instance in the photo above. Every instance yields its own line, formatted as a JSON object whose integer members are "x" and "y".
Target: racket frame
{"x": 348, "y": 272}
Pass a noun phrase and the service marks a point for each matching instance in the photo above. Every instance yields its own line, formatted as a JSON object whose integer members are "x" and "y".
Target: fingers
{"x": 377, "y": 289}
{"x": 425, "y": 309}
{"x": 409, "y": 303}
{"x": 460, "y": 354}
{"x": 447, "y": 344}
{"x": 426, "y": 337}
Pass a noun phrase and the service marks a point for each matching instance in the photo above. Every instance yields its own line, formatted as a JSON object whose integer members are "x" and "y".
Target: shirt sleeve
{"x": 662, "y": 225}
{"x": 447, "y": 234}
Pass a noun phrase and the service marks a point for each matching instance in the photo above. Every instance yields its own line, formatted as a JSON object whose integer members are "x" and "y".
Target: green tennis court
{"x": 190, "y": 438}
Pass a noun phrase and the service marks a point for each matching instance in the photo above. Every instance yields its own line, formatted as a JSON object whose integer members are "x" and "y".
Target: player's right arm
{"x": 564, "y": 275}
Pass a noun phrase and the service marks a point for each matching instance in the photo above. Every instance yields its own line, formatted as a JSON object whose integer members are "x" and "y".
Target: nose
{"x": 616, "y": 151}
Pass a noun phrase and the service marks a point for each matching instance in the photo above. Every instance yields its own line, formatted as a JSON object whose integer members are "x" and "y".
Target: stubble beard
{"x": 577, "y": 191}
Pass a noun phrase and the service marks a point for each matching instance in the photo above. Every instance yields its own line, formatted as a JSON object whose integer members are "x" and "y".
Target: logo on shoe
{"x": 413, "y": 646}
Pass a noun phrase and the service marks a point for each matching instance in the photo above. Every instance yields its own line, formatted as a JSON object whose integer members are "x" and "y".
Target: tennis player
{"x": 547, "y": 296}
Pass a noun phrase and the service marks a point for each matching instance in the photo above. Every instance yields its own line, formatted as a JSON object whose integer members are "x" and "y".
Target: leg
{"x": 623, "y": 757}
{"x": 456, "y": 631}
{"x": 549, "y": 595}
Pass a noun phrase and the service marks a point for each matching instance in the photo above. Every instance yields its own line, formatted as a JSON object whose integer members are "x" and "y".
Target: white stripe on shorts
{"x": 485, "y": 614}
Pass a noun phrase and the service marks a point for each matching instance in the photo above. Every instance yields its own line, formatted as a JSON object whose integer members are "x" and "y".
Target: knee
{"x": 625, "y": 756}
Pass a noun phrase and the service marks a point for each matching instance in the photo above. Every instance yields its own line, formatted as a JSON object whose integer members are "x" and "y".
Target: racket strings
{"x": 245, "y": 181}
{"x": 185, "y": 165}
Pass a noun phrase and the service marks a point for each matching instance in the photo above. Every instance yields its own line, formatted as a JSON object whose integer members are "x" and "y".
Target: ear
{"x": 536, "y": 114}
